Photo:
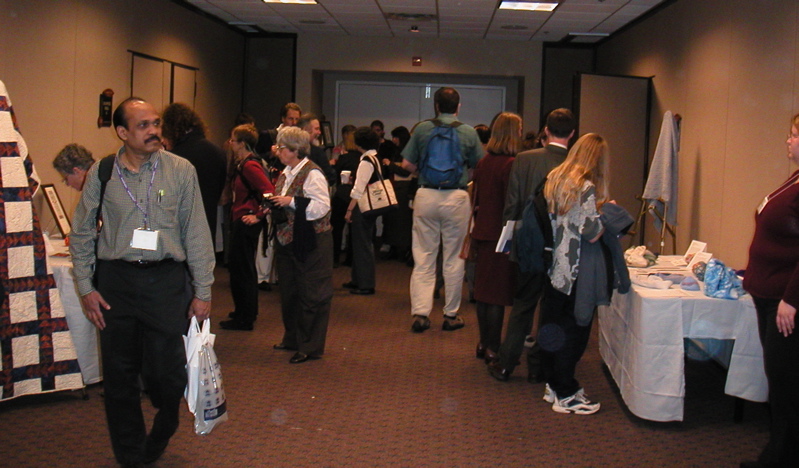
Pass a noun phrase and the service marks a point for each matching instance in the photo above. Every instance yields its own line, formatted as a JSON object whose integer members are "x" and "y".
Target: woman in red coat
{"x": 494, "y": 273}
{"x": 250, "y": 184}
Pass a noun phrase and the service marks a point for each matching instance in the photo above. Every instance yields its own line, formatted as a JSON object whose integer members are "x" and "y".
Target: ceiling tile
{"x": 455, "y": 18}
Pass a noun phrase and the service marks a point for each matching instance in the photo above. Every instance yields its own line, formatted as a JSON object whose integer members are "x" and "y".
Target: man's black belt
{"x": 441, "y": 188}
{"x": 143, "y": 264}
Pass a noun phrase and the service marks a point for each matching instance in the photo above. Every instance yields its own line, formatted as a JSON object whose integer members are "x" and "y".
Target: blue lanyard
{"x": 145, "y": 212}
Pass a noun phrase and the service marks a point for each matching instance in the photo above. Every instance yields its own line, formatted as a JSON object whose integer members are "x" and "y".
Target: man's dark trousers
{"x": 520, "y": 322}
{"x": 143, "y": 336}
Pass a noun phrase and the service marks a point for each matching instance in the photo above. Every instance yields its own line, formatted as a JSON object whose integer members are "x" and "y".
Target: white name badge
{"x": 144, "y": 239}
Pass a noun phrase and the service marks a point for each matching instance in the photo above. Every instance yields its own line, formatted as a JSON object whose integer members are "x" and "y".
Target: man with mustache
{"x": 140, "y": 273}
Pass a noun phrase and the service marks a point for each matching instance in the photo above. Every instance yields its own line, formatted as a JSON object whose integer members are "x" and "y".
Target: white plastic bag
{"x": 204, "y": 394}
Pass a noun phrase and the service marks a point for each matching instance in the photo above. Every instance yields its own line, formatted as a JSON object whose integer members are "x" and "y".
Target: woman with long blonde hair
{"x": 575, "y": 192}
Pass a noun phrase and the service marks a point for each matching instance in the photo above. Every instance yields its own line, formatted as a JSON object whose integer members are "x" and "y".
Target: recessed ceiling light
{"x": 529, "y": 6}
{"x": 589, "y": 34}
{"x": 411, "y": 17}
{"x": 299, "y": 2}
{"x": 414, "y": 29}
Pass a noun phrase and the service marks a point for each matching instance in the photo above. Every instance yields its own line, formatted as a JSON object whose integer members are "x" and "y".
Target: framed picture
{"x": 57, "y": 209}
{"x": 327, "y": 134}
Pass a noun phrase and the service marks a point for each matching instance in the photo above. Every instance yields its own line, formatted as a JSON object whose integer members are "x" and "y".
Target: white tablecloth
{"x": 84, "y": 333}
{"x": 641, "y": 341}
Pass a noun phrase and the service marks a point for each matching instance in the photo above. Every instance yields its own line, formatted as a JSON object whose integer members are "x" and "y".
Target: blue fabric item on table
{"x": 689, "y": 283}
{"x": 721, "y": 281}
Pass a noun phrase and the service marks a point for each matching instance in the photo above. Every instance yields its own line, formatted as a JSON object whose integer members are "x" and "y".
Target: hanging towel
{"x": 661, "y": 186}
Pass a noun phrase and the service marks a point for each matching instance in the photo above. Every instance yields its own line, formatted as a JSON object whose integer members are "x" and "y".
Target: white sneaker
{"x": 577, "y": 404}
{"x": 549, "y": 394}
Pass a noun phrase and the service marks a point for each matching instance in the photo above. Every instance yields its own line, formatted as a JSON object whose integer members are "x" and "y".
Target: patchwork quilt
{"x": 36, "y": 350}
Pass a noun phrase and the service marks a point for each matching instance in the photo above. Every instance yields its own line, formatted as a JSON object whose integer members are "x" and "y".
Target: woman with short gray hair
{"x": 304, "y": 247}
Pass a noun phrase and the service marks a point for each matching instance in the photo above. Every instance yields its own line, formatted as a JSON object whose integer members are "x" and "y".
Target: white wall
{"x": 56, "y": 57}
{"x": 729, "y": 68}
{"x": 464, "y": 57}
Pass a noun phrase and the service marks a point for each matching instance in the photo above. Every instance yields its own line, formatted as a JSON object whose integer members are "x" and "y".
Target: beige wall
{"x": 56, "y": 57}
{"x": 729, "y": 67}
{"x": 467, "y": 57}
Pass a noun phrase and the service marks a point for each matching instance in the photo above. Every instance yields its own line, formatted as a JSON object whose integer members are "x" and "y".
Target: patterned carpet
{"x": 383, "y": 396}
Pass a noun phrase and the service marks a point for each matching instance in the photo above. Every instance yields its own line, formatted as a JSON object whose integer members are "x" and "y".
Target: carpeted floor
{"x": 383, "y": 396}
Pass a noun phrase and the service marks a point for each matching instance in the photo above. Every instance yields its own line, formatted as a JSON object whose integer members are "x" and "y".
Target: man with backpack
{"x": 442, "y": 150}
{"x": 529, "y": 170}
{"x": 141, "y": 276}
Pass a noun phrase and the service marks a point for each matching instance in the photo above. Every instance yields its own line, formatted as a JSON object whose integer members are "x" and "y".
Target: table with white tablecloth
{"x": 84, "y": 333}
{"x": 641, "y": 341}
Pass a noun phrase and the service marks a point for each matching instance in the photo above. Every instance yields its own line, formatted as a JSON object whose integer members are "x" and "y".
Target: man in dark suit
{"x": 529, "y": 169}
{"x": 310, "y": 123}
{"x": 185, "y": 130}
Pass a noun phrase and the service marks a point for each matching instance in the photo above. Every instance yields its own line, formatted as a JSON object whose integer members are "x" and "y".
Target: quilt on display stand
{"x": 37, "y": 354}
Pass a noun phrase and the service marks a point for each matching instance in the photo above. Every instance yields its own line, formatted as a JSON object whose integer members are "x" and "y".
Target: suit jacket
{"x": 210, "y": 162}
{"x": 528, "y": 170}
{"x": 319, "y": 157}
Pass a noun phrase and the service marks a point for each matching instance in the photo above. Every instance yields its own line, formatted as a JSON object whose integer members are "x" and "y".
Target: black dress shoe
{"x": 300, "y": 357}
{"x": 498, "y": 372}
{"x": 284, "y": 347}
{"x": 153, "y": 450}
{"x": 491, "y": 357}
{"x": 264, "y": 286}
{"x": 363, "y": 292}
{"x": 349, "y": 285}
{"x": 480, "y": 353}
{"x": 234, "y": 324}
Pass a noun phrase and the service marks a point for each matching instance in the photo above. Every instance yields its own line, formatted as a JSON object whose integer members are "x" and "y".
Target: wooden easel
{"x": 665, "y": 226}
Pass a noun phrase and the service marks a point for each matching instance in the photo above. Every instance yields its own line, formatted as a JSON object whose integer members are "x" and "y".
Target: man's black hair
{"x": 561, "y": 123}
{"x": 367, "y": 138}
{"x": 447, "y": 100}
{"x": 120, "y": 117}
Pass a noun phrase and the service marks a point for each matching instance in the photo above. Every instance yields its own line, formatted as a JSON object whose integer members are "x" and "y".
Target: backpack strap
{"x": 104, "y": 174}
{"x": 251, "y": 193}
{"x": 439, "y": 123}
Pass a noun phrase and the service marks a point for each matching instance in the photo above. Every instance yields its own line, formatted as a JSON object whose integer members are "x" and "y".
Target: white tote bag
{"x": 378, "y": 198}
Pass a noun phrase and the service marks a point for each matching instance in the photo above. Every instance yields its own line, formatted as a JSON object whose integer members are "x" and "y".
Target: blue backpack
{"x": 442, "y": 164}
